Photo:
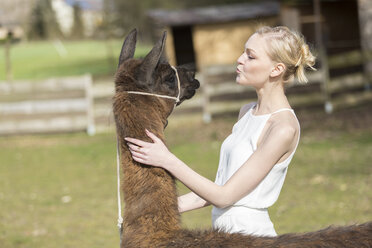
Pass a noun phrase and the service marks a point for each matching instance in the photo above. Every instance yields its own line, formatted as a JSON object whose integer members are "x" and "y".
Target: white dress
{"x": 249, "y": 215}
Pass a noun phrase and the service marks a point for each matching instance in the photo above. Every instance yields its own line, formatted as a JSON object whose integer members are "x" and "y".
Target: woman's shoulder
{"x": 285, "y": 121}
{"x": 245, "y": 108}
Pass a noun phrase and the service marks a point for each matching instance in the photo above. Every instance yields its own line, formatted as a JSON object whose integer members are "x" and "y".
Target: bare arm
{"x": 190, "y": 201}
{"x": 251, "y": 173}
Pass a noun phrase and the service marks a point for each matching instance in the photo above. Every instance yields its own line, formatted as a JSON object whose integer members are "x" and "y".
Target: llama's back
{"x": 216, "y": 239}
{"x": 339, "y": 236}
{"x": 346, "y": 236}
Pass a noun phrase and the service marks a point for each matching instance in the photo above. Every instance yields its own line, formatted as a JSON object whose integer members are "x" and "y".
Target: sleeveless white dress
{"x": 249, "y": 215}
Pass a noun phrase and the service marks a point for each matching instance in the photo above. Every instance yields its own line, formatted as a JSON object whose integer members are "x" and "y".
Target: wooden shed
{"x": 339, "y": 26}
{"x": 339, "y": 30}
{"x": 213, "y": 38}
{"x": 212, "y": 35}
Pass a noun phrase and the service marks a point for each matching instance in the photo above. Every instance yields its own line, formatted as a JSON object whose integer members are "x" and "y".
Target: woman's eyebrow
{"x": 250, "y": 50}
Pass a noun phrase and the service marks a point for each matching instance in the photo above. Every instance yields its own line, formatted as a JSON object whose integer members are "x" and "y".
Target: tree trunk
{"x": 8, "y": 63}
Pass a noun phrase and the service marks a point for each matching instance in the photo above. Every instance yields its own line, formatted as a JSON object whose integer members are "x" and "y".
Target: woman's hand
{"x": 155, "y": 154}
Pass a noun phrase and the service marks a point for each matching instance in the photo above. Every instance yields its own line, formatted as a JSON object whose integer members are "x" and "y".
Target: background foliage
{"x": 119, "y": 17}
{"x": 126, "y": 15}
{"x": 43, "y": 24}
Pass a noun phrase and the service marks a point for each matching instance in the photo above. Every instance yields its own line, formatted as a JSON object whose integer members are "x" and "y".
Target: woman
{"x": 255, "y": 157}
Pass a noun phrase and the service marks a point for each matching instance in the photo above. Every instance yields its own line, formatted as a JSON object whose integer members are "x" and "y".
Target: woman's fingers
{"x": 137, "y": 142}
{"x": 152, "y": 136}
{"x": 142, "y": 143}
{"x": 136, "y": 148}
{"x": 150, "y": 153}
{"x": 139, "y": 157}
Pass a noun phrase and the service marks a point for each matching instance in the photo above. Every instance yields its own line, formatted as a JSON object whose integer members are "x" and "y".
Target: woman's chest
{"x": 242, "y": 141}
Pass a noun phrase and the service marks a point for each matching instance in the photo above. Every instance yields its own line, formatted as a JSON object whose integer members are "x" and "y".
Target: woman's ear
{"x": 278, "y": 70}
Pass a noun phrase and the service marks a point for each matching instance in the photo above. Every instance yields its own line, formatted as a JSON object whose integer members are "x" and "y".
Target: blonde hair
{"x": 288, "y": 47}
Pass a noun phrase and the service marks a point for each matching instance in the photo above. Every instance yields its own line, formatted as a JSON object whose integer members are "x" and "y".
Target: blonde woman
{"x": 254, "y": 158}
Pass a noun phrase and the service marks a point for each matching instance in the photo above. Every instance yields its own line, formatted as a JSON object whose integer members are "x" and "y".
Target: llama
{"x": 151, "y": 217}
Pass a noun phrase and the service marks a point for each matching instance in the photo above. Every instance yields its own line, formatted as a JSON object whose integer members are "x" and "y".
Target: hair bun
{"x": 306, "y": 60}
{"x": 288, "y": 47}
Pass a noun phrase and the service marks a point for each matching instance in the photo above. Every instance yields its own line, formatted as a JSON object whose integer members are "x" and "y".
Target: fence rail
{"x": 53, "y": 105}
{"x": 66, "y": 104}
{"x": 220, "y": 93}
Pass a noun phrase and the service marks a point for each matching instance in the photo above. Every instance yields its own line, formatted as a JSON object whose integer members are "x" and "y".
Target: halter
{"x": 177, "y": 100}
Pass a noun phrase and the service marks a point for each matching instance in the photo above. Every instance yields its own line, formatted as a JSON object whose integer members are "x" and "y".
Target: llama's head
{"x": 152, "y": 74}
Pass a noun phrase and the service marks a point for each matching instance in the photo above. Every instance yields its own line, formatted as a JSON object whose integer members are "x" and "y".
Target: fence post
{"x": 91, "y": 130}
{"x": 207, "y": 116}
{"x": 365, "y": 20}
{"x": 8, "y": 62}
{"x": 328, "y": 107}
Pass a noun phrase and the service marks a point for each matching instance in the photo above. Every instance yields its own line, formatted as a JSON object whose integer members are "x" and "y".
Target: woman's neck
{"x": 270, "y": 98}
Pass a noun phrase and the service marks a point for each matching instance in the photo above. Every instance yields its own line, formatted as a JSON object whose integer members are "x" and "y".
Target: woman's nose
{"x": 241, "y": 59}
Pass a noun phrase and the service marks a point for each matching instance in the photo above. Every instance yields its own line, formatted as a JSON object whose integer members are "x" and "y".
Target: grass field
{"x": 44, "y": 59}
{"x": 60, "y": 190}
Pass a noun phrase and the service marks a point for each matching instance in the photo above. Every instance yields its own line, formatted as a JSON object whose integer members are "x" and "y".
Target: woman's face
{"x": 254, "y": 65}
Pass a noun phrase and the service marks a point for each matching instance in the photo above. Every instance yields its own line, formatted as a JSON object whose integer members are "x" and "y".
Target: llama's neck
{"x": 150, "y": 194}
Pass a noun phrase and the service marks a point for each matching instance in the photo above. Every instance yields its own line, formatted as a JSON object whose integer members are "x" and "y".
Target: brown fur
{"x": 151, "y": 217}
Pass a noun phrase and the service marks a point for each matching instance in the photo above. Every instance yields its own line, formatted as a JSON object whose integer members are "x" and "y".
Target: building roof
{"x": 214, "y": 14}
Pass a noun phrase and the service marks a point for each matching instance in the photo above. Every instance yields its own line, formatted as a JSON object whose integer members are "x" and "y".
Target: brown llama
{"x": 151, "y": 217}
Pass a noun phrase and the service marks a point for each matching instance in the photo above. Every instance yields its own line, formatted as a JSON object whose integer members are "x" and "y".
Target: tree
{"x": 43, "y": 23}
{"x": 77, "y": 31}
{"x": 122, "y": 16}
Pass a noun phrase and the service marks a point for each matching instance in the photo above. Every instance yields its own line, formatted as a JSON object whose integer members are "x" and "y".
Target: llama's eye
{"x": 170, "y": 78}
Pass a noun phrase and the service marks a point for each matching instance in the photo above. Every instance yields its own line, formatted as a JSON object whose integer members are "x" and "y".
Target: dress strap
{"x": 282, "y": 109}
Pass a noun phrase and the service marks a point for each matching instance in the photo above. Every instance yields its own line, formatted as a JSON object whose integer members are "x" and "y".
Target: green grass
{"x": 38, "y": 176}
{"x": 60, "y": 190}
{"x": 37, "y": 60}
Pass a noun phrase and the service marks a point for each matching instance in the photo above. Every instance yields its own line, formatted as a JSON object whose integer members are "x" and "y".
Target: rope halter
{"x": 176, "y": 99}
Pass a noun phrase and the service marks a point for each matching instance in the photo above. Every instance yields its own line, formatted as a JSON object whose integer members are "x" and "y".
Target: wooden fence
{"x": 53, "y": 105}
{"x": 66, "y": 104}
{"x": 220, "y": 93}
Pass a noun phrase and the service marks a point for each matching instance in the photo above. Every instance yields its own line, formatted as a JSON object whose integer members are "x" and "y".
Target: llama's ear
{"x": 129, "y": 46}
{"x": 163, "y": 58}
{"x": 152, "y": 58}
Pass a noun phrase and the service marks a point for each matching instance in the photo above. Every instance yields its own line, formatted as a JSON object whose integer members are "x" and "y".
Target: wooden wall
{"x": 218, "y": 43}
{"x": 169, "y": 47}
{"x": 222, "y": 44}
{"x": 365, "y": 17}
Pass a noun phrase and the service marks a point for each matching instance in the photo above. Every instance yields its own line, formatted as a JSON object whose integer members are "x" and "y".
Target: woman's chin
{"x": 238, "y": 80}
{"x": 241, "y": 80}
